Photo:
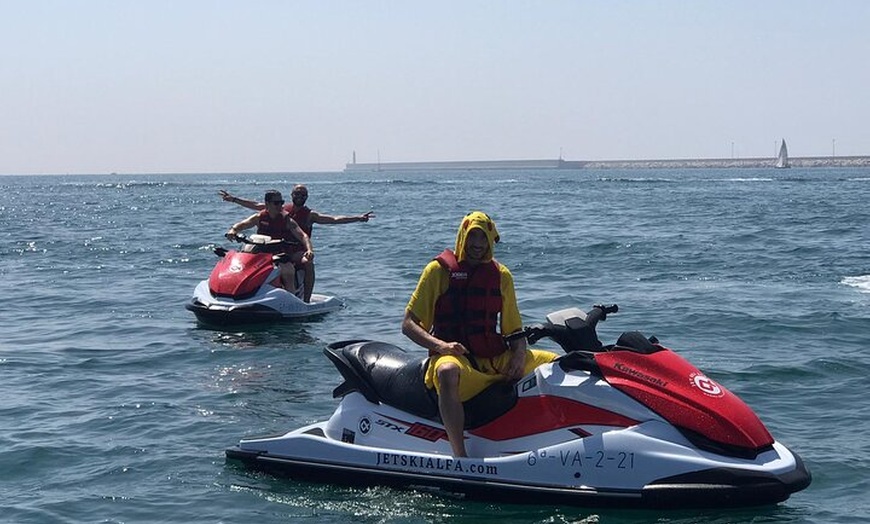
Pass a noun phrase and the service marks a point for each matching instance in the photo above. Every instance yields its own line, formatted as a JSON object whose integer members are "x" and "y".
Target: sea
{"x": 116, "y": 406}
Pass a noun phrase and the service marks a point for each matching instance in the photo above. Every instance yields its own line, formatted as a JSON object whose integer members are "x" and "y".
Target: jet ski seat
{"x": 388, "y": 374}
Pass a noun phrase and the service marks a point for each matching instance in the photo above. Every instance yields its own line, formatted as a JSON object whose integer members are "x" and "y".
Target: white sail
{"x": 782, "y": 159}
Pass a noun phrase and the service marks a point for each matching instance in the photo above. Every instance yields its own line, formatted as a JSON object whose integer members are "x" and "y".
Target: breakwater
{"x": 829, "y": 161}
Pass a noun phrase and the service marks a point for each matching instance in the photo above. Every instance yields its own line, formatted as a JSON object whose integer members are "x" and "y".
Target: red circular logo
{"x": 706, "y": 385}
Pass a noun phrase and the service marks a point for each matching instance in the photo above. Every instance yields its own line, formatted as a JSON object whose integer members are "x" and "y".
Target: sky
{"x": 195, "y": 86}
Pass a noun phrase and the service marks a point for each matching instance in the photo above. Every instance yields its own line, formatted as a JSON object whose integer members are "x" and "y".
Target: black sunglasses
{"x": 279, "y": 202}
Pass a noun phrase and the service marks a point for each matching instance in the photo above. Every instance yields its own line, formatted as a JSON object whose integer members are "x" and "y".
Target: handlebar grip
{"x": 613, "y": 308}
{"x": 516, "y": 335}
{"x": 530, "y": 333}
{"x": 535, "y": 335}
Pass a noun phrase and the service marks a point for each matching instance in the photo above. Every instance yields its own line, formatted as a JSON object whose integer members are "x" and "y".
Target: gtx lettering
{"x": 434, "y": 463}
{"x": 389, "y": 425}
{"x": 641, "y": 375}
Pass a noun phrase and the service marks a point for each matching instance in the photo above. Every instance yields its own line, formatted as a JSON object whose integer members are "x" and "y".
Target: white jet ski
{"x": 630, "y": 425}
{"x": 244, "y": 287}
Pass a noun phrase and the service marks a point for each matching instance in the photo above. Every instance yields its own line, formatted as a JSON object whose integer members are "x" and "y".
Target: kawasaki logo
{"x": 640, "y": 375}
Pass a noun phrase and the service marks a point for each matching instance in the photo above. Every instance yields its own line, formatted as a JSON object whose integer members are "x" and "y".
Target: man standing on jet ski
{"x": 453, "y": 312}
{"x": 304, "y": 216}
{"x": 277, "y": 223}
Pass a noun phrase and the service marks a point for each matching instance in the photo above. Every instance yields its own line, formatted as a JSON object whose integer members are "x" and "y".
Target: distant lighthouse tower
{"x": 354, "y": 157}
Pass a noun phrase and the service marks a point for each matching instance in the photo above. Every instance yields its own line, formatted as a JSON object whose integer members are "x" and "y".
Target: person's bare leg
{"x": 309, "y": 281}
{"x": 452, "y": 412}
{"x": 288, "y": 276}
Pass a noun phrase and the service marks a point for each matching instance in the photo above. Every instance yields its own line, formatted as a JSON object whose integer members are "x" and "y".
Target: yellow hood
{"x": 480, "y": 220}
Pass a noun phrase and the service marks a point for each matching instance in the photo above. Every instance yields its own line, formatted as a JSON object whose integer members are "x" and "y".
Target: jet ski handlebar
{"x": 241, "y": 238}
{"x": 570, "y": 328}
{"x": 530, "y": 333}
{"x": 253, "y": 239}
{"x": 612, "y": 308}
{"x": 238, "y": 237}
{"x": 257, "y": 240}
{"x": 259, "y": 244}
{"x": 599, "y": 312}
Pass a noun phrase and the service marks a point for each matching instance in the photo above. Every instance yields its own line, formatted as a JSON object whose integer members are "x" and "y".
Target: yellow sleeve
{"x": 510, "y": 312}
{"x": 432, "y": 284}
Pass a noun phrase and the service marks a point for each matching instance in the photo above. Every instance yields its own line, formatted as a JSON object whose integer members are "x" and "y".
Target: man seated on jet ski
{"x": 304, "y": 216}
{"x": 453, "y": 312}
{"x": 276, "y": 223}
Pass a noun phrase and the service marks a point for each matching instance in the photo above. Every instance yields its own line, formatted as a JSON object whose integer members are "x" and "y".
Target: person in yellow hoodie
{"x": 463, "y": 305}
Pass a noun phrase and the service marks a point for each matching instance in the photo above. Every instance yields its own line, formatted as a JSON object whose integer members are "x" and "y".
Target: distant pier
{"x": 839, "y": 161}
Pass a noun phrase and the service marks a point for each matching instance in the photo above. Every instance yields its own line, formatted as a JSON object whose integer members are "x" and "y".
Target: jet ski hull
{"x": 627, "y": 425}
{"x": 508, "y": 479}
{"x": 269, "y": 304}
{"x": 649, "y": 465}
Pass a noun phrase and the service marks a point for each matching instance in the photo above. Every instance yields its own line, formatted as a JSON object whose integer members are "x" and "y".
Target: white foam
{"x": 861, "y": 282}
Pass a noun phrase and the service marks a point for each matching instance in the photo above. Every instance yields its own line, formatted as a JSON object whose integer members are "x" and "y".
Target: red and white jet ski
{"x": 245, "y": 287}
{"x": 631, "y": 425}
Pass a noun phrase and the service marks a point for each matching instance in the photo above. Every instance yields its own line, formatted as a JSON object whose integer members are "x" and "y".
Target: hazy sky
{"x": 155, "y": 86}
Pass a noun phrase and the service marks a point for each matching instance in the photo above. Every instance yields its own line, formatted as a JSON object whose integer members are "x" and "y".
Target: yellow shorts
{"x": 473, "y": 381}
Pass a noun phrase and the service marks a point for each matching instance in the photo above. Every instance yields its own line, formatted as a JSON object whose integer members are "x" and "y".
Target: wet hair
{"x": 272, "y": 194}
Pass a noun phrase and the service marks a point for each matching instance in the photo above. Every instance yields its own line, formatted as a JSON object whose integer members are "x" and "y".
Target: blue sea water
{"x": 115, "y": 406}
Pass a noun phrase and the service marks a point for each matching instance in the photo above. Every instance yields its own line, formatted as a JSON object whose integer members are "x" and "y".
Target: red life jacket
{"x": 275, "y": 228}
{"x": 302, "y": 216}
{"x": 468, "y": 311}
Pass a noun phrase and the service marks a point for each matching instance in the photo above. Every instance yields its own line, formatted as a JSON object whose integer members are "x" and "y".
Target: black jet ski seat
{"x": 385, "y": 373}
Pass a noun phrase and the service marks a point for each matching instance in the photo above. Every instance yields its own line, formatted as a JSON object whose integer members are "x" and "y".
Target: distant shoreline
{"x": 545, "y": 164}
{"x": 840, "y": 161}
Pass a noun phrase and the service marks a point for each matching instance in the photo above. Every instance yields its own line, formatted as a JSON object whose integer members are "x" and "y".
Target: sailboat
{"x": 782, "y": 158}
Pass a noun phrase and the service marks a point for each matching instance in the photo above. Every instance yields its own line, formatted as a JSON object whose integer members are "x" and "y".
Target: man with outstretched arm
{"x": 304, "y": 216}
{"x": 274, "y": 222}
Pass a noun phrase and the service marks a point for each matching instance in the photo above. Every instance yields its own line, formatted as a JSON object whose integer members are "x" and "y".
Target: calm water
{"x": 116, "y": 407}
